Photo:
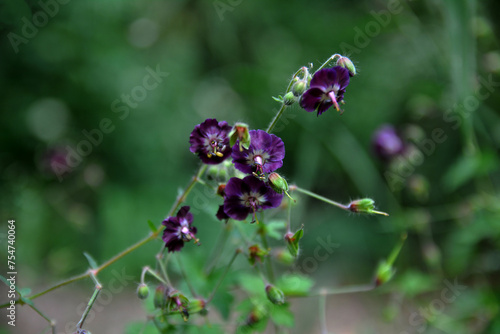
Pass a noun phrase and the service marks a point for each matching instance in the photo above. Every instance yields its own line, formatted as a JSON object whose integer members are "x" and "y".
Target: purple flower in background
{"x": 179, "y": 230}
{"x": 386, "y": 142}
{"x": 248, "y": 195}
{"x": 264, "y": 155}
{"x": 221, "y": 215}
{"x": 210, "y": 141}
{"x": 327, "y": 89}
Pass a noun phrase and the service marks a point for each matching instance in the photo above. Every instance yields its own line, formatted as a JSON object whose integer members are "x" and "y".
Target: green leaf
{"x": 140, "y": 327}
{"x": 92, "y": 262}
{"x": 468, "y": 167}
{"x": 152, "y": 226}
{"x": 278, "y": 99}
{"x": 274, "y": 229}
{"x": 253, "y": 285}
{"x": 295, "y": 285}
{"x": 282, "y": 316}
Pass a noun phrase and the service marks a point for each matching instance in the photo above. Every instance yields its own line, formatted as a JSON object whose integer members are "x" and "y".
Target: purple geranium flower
{"x": 327, "y": 89}
{"x": 179, "y": 230}
{"x": 210, "y": 141}
{"x": 264, "y": 155}
{"x": 387, "y": 143}
{"x": 248, "y": 195}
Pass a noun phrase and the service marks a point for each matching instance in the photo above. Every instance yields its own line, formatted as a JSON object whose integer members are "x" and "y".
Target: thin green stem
{"x": 219, "y": 249}
{"x": 319, "y": 197}
{"x": 283, "y": 105}
{"x": 163, "y": 267}
{"x": 322, "y": 313}
{"x": 238, "y": 251}
{"x": 130, "y": 249}
{"x": 185, "y": 276}
{"x": 328, "y": 61}
{"x": 269, "y": 265}
{"x": 98, "y": 288}
{"x": 51, "y": 322}
{"x": 154, "y": 274}
{"x": 340, "y": 291}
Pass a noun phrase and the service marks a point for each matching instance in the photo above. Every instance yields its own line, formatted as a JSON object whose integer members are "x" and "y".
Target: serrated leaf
{"x": 295, "y": 285}
{"x": 152, "y": 226}
{"x": 90, "y": 259}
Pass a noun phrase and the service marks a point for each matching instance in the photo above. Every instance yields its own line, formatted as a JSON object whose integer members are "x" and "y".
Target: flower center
{"x": 215, "y": 147}
{"x": 185, "y": 234}
{"x": 332, "y": 95}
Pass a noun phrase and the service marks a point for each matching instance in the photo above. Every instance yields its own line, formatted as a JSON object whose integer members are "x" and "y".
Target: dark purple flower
{"x": 210, "y": 141}
{"x": 386, "y": 143}
{"x": 327, "y": 89}
{"x": 179, "y": 230}
{"x": 248, "y": 195}
{"x": 264, "y": 155}
{"x": 221, "y": 215}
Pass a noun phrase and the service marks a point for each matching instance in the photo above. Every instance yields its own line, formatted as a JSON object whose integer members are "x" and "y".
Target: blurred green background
{"x": 423, "y": 65}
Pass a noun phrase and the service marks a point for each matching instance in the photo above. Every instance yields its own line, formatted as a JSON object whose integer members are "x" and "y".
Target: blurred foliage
{"x": 417, "y": 71}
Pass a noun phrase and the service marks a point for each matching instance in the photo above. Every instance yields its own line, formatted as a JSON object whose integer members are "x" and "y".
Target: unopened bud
{"x": 160, "y": 298}
{"x": 278, "y": 184}
{"x": 142, "y": 291}
{"x": 385, "y": 272}
{"x": 196, "y": 305}
{"x": 347, "y": 64}
{"x": 256, "y": 253}
{"x": 284, "y": 256}
{"x": 364, "y": 205}
{"x": 240, "y": 133}
{"x": 275, "y": 295}
{"x": 289, "y": 99}
{"x": 299, "y": 87}
{"x": 292, "y": 241}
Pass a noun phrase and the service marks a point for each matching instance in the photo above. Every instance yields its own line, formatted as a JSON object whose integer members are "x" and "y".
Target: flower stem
{"x": 322, "y": 313}
{"x": 321, "y": 198}
{"x": 185, "y": 276}
{"x": 238, "y": 251}
{"x": 283, "y": 105}
{"x": 97, "y": 289}
{"x": 328, "y": 61}
{"x": 217, "y": 252}
{"x": 51, "y": 322}
{"x": 269, "y": 265}
{"x": 130, "y": 249}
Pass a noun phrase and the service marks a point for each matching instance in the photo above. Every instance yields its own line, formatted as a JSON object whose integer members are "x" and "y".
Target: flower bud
{"x": 385, "y": 272}
{"x": 347, "y": 63}
{"x": 299, "y": 87}
{"x": 221, "y": 190}
{"x": 142, "y": 291}
{"x": 256, "y": 253}
{"x": 196, "y": 305}
{"x": 289, "y": 99}
{"x": 275, "y": 295}
{"x": 292, "y": 241}
{"x": 278, "y": 183}
{"x": 284, "y": 256}
{"x": 364, "y": 205}
{"x": 160, "y": 297}
{"x": 240, "y": 133}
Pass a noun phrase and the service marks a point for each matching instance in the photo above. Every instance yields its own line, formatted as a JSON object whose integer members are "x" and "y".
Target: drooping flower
{"x": 326, "y": 89}
{"x": 248, "y": 195}
{"x": 210, "y": 141}
{"x": 179, "y": 230}
{"x": 221, "y": 215}
{"x": 264, "y": 155}
{"x": 386, "y": 143}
